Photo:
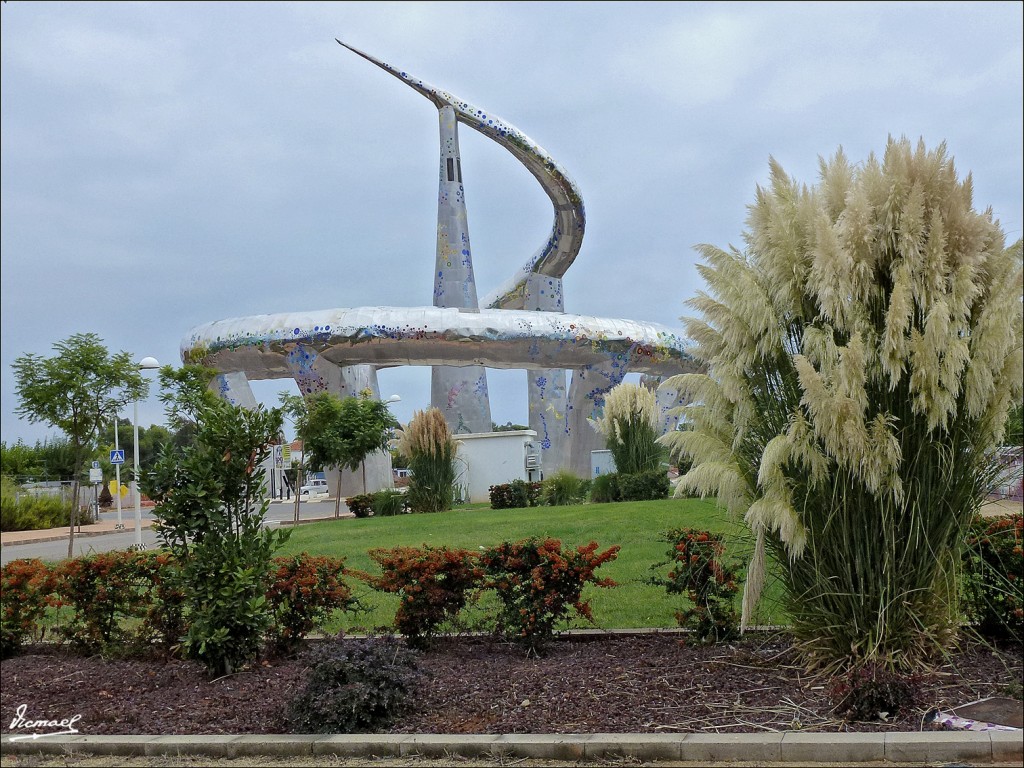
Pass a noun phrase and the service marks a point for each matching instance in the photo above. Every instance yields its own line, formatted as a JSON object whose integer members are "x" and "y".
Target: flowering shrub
{"x": 305, "y": 591}
{"x": 433, "y": 585}
{"x": 709, "y": 583}
{"x": 515, "y": 495}
{"x": 27, "y": 589}
{"x": 994, "y": 569}
{"x": 537, "y": 583}
{"x": 104, "y": 591}
{"x": 361, "y": 505}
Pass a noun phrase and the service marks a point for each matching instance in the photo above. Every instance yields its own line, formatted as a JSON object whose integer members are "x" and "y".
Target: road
{"x": 57, "y": 549}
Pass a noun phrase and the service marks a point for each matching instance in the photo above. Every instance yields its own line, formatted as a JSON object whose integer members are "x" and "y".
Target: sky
{"x": 168, "y": 164}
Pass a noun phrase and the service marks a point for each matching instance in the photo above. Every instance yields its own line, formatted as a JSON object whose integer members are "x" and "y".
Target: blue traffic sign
{"x": 117, "y": 457}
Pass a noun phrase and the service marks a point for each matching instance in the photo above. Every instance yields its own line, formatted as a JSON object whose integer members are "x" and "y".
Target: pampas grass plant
{"x": 629, "y": 424}
{"x": 862, "y": 353}
{"x": 428, "y": 443}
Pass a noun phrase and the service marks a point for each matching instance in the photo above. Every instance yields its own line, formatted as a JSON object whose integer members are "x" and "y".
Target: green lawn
{"x": 635, "y": 526}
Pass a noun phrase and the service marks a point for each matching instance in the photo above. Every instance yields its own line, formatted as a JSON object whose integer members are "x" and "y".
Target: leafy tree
{"x": 861, "y": 357}
{"x": 50, "y": 459}
{"x": 78, "y": 389}
{"x": 212, "y": 504}
{"x": 340, "y": 432}
{"x": 152, "y": 440}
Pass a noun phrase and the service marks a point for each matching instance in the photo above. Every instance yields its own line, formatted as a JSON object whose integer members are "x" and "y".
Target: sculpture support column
{"x": 315, "y": 374}
{"x": 546, "y": 386}
{"x": 234, "y": 388}
{"x": 459, "y": 392}
{"x": 669, "y": 402}
{"x": 586, "y": 401}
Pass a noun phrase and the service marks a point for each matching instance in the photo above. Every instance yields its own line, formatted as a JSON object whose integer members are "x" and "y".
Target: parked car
{"x": 315, "y": 487}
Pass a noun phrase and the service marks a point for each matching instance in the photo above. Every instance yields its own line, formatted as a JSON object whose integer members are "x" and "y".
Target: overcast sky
{"x": 165, "y": 165}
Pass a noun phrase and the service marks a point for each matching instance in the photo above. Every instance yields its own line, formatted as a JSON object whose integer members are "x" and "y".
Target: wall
{"x": 491, "y": 458}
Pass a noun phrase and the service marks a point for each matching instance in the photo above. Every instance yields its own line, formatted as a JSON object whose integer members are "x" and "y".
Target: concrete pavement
{"x": 793, "y": 748}
{"x": 51, "y": 543}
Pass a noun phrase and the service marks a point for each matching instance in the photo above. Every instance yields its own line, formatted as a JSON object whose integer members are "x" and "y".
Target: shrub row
{"x": 29, "y": 513}
{"x": 536, "y": 582}
{"x": 561, "y": 489}
{"x": 515, "y": 495}
{"x": 638, "y": 486}
{"x": 384, "y": 503}
{"x": 123, "y": 602}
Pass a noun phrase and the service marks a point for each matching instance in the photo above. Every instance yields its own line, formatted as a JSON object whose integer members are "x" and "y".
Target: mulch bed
{"x": 592, "y": 684}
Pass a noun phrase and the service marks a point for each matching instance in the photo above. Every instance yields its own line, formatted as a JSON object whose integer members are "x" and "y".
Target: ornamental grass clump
{"x": 429, "y": 444}
{"x": 861, "y": 356}
{"x": 629, "y": 424}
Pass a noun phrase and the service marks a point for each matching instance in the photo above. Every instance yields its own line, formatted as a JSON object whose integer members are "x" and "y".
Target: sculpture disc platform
{"x": 521, "y": 326}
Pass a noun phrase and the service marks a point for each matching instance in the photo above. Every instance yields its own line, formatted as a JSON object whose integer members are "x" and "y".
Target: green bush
{"x": 20, "y": 511}
{"x": 994, "y": 575}
{"x": 604, "y": 489}
{"x": 564, "y": 488}
{"x": 515, "y": 495}
{"x": 354, "y": 686}
{"x": 644, "y": 486}
{"x": 360, "y": 505}
{"x": 212, "y": 505}
{"x": 387, "y": 503}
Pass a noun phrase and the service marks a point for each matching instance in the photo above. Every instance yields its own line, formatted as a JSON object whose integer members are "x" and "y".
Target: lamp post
{"x": 145, "y": 364}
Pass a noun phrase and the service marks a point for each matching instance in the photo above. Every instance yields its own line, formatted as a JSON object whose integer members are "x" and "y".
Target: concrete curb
{"x": 976, "y": 747}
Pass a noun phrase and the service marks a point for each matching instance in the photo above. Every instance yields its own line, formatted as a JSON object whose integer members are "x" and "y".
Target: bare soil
{"x": 606, "y": 683}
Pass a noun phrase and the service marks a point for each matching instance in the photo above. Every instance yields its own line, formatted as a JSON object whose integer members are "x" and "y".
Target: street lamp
{"x": 145, "y": 364}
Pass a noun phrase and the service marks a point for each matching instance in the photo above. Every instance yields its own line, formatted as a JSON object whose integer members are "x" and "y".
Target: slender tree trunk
{"x": 297, "y": 489}
{"x": 74, "y": 518}
{"x": 337, "y": 501}
{"x": 74, "y": 500}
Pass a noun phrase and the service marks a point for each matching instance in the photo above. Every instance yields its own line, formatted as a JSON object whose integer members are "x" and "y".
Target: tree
{"x": 340, "y": 432}
{"x": 78, "y": 389}
{"x": 213, "y": 501}
{"x": 861, "y": 357}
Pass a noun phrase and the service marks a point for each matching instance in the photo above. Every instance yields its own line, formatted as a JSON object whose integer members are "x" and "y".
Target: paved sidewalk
{"x": 9, "y": 538}
{"x": 926, "y": 747}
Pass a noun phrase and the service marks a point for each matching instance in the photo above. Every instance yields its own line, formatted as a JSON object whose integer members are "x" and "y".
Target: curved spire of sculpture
{"x": 558, "y": 253}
